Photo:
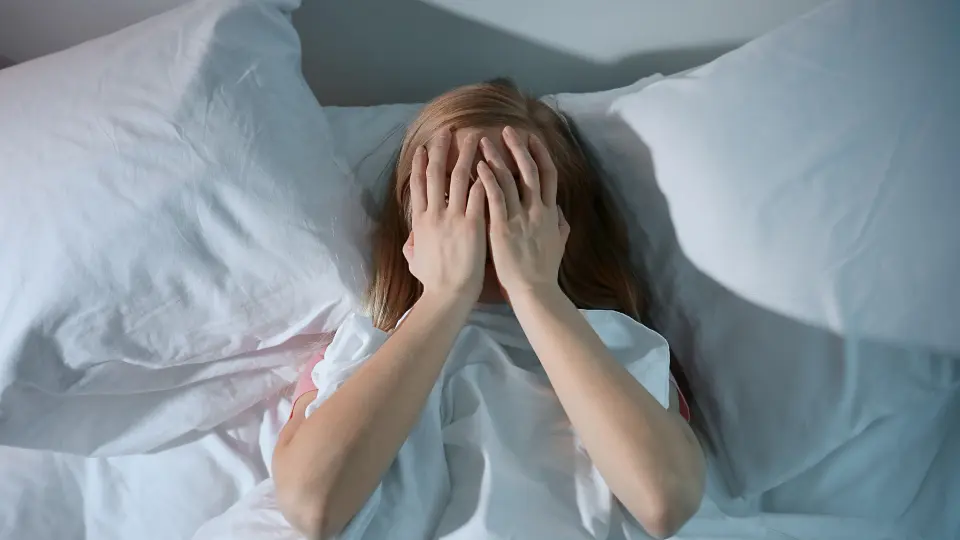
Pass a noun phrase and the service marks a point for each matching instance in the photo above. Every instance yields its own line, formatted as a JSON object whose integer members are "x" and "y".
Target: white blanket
{"x": 494, "y": 457}
{"x": 493, "y": 454}
{"x": 164, "y": 495}
{"x": 257, "y": 517}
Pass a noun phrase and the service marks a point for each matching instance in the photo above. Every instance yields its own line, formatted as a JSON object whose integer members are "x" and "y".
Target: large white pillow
{"x": 171, "y": 212}
{"x": 795, "y": 205}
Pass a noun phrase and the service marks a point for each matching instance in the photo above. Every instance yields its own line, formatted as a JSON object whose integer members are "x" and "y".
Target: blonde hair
{"x": 595, "y": 272}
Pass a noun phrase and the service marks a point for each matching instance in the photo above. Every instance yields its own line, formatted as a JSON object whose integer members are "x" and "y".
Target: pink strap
{"x": 305, "y": 381}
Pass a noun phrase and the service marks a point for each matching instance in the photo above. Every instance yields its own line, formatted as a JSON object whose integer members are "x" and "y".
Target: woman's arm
{"x": 328, "y": 465}
{"x": 648, "y": 455}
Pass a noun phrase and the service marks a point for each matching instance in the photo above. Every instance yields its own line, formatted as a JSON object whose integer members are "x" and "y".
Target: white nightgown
{"x": 493, "y": 455}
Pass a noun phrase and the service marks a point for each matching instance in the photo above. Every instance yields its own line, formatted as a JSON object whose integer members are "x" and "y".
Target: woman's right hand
{"x": 447, "y": 246}
{"x": 326, "y": 470}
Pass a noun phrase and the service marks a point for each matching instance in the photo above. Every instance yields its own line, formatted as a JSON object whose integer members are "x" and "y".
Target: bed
{"x": 182, "y": 224}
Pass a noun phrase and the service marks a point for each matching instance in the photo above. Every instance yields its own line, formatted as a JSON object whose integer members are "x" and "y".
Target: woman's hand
{"x": 447, "y": 246}
{"x": 527, "y": 233}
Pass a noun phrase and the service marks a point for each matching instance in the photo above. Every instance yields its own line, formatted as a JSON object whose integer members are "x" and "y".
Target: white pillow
{"x": 368, "y": 140}
{"x": 795, "y": 204}
{"x": 169, "y": 199}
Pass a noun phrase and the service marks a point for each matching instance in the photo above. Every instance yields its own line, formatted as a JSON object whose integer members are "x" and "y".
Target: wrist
{"x": 535, "y": 292}
{"x": 448, "y": 300}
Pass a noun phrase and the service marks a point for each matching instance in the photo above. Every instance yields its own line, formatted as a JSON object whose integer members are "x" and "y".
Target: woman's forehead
{"x": 495, "y": 134}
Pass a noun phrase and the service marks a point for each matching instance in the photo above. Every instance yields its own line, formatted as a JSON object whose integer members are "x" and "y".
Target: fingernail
{"x": 508, "y": 131}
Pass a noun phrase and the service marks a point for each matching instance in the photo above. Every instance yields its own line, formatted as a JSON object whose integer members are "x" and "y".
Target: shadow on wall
{"x": 408, "y": 52}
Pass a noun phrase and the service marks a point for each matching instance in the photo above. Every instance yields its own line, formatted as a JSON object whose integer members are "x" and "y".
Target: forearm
{"x": 649, "y": 458}
{"x": 337, "y": 456}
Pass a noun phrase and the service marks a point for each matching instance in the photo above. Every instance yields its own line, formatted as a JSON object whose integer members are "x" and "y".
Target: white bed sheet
{"x": 217, "y": 487}
{"x": 166, "y": 495}
{"x": 257, "y": 517}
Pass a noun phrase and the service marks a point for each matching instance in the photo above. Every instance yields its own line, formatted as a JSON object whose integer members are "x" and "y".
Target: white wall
{"x": 32, "y": 28}
{"x": 409, "y": 50}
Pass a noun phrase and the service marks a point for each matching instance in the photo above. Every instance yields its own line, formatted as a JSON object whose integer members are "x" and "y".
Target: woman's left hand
{"x": 527, "y": 233}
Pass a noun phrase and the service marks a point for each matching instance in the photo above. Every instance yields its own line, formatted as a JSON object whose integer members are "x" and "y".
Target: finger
{"x": 495, "y": 198}
{"x": 564, "y": 226}
{"x": 508, "y": 185}
{"x": 528, "y": 168}
{"x": 476, "y": 201}
{"x": 548, "y": 170}
{"x": 418, "y": 182}
{"x": 460, "y": 179}
{"x": 437, "y": 150}
{"x": 408, "y": 248}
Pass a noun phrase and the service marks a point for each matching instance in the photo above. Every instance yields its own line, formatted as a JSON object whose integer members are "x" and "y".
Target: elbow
{"x": 665, "y": 521}
{"x": 302, "y": 511}
{"x": 309, "y": 515}
{"x": 664, "y": 514}
{"x": 664, "y": 509}
{"x": 668, "y": 506}
{"x": 306, "y": 509}
{"x": 307, "y": 519}
{"x": 303, "y": 500}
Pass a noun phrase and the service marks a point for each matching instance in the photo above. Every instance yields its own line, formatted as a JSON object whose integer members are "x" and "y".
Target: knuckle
{"x": 460, "y": 173}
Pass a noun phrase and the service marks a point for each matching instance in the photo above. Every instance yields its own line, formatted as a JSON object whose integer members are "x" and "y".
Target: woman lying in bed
{"x": 479, "y": 402}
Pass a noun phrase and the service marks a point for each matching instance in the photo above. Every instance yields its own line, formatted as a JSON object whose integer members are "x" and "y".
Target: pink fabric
{"x": 305, "y": 382}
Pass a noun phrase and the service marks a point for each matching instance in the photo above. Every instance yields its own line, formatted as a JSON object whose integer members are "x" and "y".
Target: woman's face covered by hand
{"x": 499, "y": 151}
